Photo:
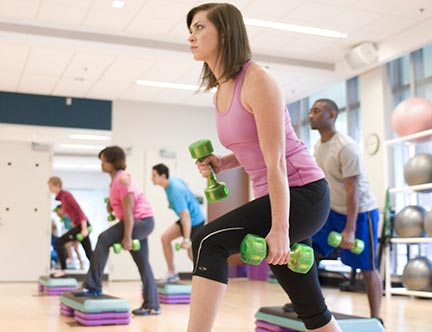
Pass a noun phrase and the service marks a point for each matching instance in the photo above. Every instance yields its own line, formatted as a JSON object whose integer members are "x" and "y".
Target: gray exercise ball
{"x": 409, "y": 221}
{"x": 418, "y": 169}
{"x": 427, "y": 223}
{"x": 417, "y": 274}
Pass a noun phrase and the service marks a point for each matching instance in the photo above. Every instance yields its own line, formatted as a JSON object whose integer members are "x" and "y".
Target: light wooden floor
{"x": 22, "y": 309}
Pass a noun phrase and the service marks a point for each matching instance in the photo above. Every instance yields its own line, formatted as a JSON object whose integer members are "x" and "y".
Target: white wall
{"x": 25, "y": 223}
{"x": 375, "y": 118}
{"x": 147, "y": 128}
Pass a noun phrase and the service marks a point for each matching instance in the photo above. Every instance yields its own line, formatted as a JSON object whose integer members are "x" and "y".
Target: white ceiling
{"x": 88, "y": 49}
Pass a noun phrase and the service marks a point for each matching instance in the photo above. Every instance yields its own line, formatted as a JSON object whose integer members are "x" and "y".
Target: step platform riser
{"x": 55, "y": 290}
{"x": 98, "y": 322}
{"x": 277, "y": 317}
{"x": 262, "y": 326}
{"x": 174, "y": 289}
{"x": 56, "y": 286}
{"x": 95, "y": 310}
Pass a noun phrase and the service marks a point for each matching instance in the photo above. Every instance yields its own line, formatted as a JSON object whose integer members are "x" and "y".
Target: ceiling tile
{"x": 150, "y": 28}
{"x": 192, "y": 75}
{"x": 305, "y": 45}
{"x": 88, "y": 65}
{"x": 37, "y": 84}
{"x": 341, "y": 3}
{"x": 32, "y": 60}
{"x": 164, "y": 10}
{"x": 103, "y": 16}
{"x": 261, "y": 9}
{"x": 178, "y": 33}
{"x": 108, "y": 90}
{"x": 13, "y": 57}
{"x": 385, "y": 27}
{"x": 402, "y": 8}
{"x": 48, "y": 61}
{"x": 19, "y": 9}
{"x": 352, "y": 19}
{"x": 127, "y": 69}
{"x": 63, "y": 11}
{"x": 137, "y": 92}
{"x": 167, "y": 71}
{"x": 73, "y": 87}
{"x": 331, "y": 53}
{"x": 270, "y": 41}
{"x": 9, "y": 81}
{"x": 313, "y": 12}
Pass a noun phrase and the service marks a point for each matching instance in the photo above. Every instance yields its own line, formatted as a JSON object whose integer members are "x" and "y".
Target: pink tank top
{"x": 237, "y": 132}
{"x": 118, "y": 191}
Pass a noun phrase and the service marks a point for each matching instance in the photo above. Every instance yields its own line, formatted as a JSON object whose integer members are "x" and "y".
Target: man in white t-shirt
{"x": 354, "y": 211}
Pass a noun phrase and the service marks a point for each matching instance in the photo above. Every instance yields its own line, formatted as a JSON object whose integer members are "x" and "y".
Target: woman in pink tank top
{"x": 136, "y": 223}
{"x": 292, "y": 199}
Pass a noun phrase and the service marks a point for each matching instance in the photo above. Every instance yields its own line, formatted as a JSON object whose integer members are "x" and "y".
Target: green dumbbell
{"x": 136, "y": 245}
{"x": 253, "y": 249}
{"x": 111, "y": 216}
{"x": 215, "y": 190}
{"x": 80, "y": 237}
{"x": 335, "y": 239}
{"x": 178, "y": 246}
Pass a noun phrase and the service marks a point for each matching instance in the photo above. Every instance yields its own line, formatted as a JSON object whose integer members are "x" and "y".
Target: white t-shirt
{"x": 339, "y": 158}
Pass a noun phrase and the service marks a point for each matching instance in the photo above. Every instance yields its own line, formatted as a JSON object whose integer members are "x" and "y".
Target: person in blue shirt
{"x": 67, "y": 223}
{"x": 184, "y": 203}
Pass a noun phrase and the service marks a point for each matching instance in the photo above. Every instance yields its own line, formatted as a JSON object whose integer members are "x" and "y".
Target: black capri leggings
{"x": 216, "y": 241}
{"x": 68, "y": 237}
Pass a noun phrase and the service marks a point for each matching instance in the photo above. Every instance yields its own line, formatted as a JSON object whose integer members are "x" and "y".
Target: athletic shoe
{"x": 59, "y": 274}
{"x": 146, "y": 312}
{"x": 86, "y": 292}
{"x": 169, "y": 278}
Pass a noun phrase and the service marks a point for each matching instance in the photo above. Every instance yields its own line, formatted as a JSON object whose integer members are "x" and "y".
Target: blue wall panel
{"x": 18, "y": 108}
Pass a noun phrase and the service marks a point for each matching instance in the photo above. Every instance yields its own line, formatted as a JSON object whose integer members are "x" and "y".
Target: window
{"x": 399, "y": 79}
{"x": 422, "y": 63}
{"x": 346, "y": 95}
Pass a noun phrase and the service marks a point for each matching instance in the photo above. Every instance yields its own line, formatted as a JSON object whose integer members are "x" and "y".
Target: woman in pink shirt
{"x": 133, "y": 210}
{"x": 291, "y": 195}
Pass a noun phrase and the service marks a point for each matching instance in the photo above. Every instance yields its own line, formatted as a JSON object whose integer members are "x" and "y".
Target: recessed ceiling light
{"x": 90, "y": 137}
{"x": 295, "y": 28}
{"x": 80, "y": 146}
{"x": 118, "y": 4}
{"x": 168, "y": 85}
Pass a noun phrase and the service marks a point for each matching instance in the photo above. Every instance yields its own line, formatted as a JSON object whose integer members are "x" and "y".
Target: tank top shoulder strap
{"x": 240, "y": 78}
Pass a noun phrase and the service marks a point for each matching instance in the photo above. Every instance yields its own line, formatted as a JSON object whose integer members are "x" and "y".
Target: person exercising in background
{"x": 79, "y": 221}
{"x": 354, "y": 211}
{"x": 184, "y": 203}
{"x": 67, "y": 223}
{"x": 136, "y": 222}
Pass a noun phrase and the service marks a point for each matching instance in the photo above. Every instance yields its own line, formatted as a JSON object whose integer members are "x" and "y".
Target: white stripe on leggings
{"x": 211, "y": 234}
